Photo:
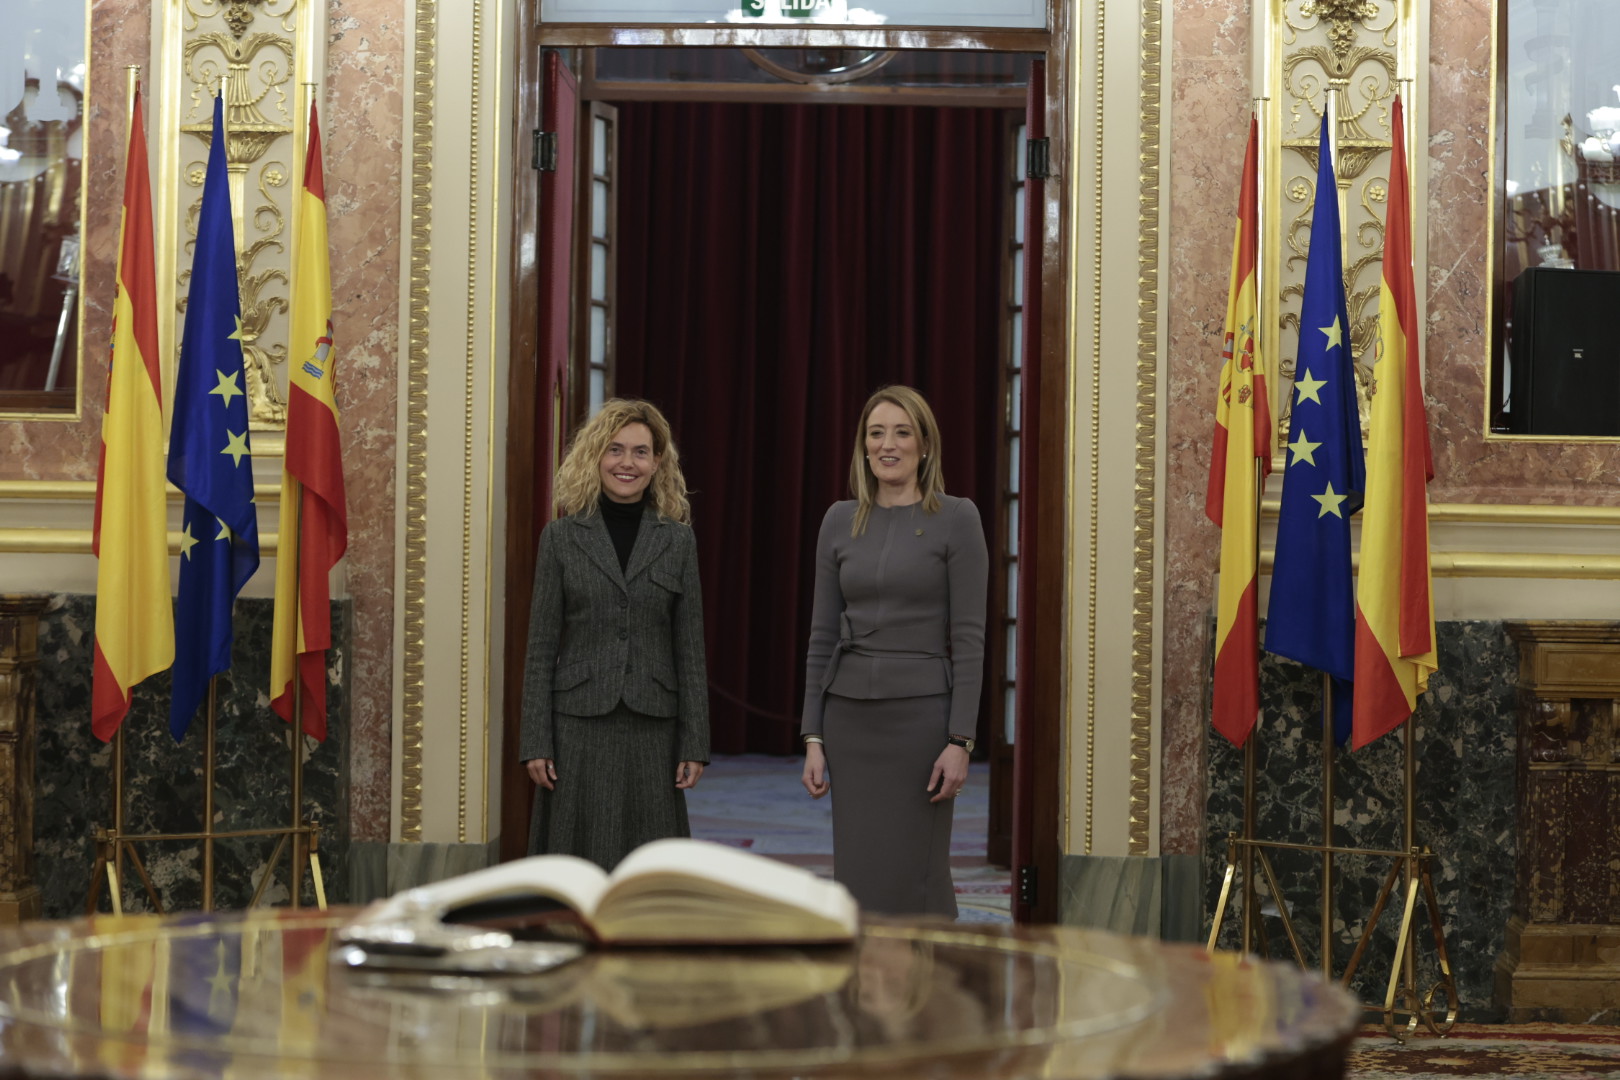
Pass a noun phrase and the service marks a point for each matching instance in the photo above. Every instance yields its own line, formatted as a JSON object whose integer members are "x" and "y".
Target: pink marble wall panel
{"x": 363, "y": 126}
{"x": 1209, "y": 80}
{"x": 362, "y": 121}
{"x": 1210, "y": 124}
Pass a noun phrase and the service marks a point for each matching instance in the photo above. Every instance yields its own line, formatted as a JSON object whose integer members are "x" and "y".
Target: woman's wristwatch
{"x": 957, "y": 740}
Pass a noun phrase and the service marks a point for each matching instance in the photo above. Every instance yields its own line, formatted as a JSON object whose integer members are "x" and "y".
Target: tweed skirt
{"x": 891, "y": 846}
{"x": 615, "y": 788}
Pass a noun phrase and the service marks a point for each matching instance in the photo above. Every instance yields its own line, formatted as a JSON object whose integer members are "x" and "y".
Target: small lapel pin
{"x": 919, "y": 532}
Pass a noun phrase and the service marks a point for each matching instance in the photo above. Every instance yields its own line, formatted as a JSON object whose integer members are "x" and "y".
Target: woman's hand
{"x": 950, "y": 772}
{"x": 687, "y": 774}
{"x": 815, "y": 771}
{"x": 543, "y": 771}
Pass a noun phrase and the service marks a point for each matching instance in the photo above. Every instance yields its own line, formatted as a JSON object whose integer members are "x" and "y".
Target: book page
{"x": 692, "y": 890}
{"x": 574, "y": 882}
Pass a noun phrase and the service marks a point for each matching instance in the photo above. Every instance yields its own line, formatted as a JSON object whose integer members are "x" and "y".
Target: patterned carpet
{"x": 753, "y": 801}
{"x": 1528, "y": 1051}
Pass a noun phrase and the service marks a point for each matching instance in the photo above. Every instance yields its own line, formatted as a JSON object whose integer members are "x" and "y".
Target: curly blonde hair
{"x": 930, "y": 474}
{"x": 579, "y": 477}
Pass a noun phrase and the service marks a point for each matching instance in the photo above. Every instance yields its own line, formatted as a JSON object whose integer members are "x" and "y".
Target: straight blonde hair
{"x": 579, "y": 477}
{"x": 930, "y": 474}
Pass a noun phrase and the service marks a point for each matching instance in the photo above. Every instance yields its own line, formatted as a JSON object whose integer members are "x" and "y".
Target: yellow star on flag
{"x": 227, "y": 387}
{"x": 237, "y": 334}
{"x": 236, "y": 447}
{"x": 1330, "y": 502}
{"x": 1308, "y": 387}
{"x": 1304, "y": 450}
{"x": 187, "y": 542}
{"x": 1335, "y": 334}
{"x": 224, "y": 530}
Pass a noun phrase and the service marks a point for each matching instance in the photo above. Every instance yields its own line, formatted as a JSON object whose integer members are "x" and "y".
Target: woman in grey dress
{"x": 895, "y": 663}
{"x": 615, "y": 691}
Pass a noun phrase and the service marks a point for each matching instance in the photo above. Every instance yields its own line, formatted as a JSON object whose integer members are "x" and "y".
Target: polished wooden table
{"x": 249, "y": 996}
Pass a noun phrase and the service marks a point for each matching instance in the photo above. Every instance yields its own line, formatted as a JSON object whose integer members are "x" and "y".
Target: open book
{"x": 677, "y": 891}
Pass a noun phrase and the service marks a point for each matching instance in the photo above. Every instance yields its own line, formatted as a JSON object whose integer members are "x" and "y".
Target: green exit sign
{"x": 793, "y": 9}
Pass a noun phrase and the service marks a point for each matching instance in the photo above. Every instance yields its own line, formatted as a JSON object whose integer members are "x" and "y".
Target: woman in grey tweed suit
{"x": 615, "y": 691}
{"x": 891, "y": 696}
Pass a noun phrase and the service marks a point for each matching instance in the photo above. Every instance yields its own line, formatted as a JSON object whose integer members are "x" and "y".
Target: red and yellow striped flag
{"x": 1242, "y": 442}
{"x": 134, "y": 612}
{"x": 314, "y": 525}
{"x": 1394, "y": 594}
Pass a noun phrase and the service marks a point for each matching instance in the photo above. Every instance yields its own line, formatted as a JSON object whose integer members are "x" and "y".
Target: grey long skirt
{"x": 891, "y": 846}
{"x": 615, "y": 788}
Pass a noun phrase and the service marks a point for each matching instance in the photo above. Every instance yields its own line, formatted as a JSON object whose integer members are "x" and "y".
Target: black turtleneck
{"x": 623, "y": 521}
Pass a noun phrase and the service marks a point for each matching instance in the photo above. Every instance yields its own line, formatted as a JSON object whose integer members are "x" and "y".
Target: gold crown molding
{"x": 1147, "y": 444}
{"x": 413, "y": 647}
{"x": 1508, "y": 564}
{"x": 470, "y": 366}
{"x": 85, "y": 490}
{"x": 82, "y": 541}
{"x": 1503, "y": 514}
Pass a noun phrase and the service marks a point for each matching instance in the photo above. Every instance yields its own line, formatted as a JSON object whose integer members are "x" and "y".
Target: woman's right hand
{"x": 543, "y": 771}
{"x": 815, "y": 771}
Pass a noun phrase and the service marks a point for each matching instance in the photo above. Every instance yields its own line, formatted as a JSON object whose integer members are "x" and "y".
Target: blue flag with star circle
{"x": 1312, "y": 612}
{"x": 208, "y": 451}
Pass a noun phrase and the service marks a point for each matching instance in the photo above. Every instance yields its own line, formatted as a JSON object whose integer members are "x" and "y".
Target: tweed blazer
{"x": 599, "y": 635}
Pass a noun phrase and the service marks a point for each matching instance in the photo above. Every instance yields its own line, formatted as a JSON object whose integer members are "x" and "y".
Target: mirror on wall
{"x": 43, "y": 74}
{"x": 1555, "y": 350}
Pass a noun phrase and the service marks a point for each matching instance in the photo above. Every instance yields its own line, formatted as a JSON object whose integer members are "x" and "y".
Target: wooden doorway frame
{"x": 1043, "y": 724}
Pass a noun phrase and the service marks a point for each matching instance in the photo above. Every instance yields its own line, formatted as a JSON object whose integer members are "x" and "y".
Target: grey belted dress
{"x": 896, "y": 662}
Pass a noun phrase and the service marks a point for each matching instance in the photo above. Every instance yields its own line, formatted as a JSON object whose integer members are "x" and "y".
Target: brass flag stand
{"x": 114, "y": 844}
{"x": 1404, "y": 997}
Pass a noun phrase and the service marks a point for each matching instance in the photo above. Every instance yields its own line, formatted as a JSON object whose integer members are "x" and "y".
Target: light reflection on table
{"x": 254, "y": 995}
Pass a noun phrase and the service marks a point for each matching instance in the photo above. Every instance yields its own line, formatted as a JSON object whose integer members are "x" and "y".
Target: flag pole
{"x": 1330, "y": 107}
{"x": 208, "y": 794}
{"x": 295, "y": 737}
{"x": 115, "y": 874}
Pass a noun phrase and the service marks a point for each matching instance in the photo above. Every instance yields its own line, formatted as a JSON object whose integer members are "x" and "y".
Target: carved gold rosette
{"x": 261, "y": 55}
{"x": 1350, "y": 55}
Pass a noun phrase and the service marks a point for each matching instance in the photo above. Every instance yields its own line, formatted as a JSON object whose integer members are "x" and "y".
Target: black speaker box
{"x": 1566, "y": 352}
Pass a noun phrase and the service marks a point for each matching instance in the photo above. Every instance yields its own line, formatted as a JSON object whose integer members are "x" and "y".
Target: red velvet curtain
{"x": 776, "y": 264}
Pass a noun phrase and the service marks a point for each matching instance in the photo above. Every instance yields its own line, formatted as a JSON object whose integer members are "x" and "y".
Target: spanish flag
{"x": 1242, "y": 442}
{"x": 134, "y": 612}
{"x": 314, "y": 520}
{"x": 1394, "y": 595}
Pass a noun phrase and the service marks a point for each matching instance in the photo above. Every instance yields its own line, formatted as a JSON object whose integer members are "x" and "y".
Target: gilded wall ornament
{"x": 246, "y": 49}
{"x": 1342, "y": 58}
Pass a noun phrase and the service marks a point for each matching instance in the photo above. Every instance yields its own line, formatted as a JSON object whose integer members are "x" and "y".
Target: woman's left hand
{"x": 950, "y": 772}
{"x": 687, "y": 774}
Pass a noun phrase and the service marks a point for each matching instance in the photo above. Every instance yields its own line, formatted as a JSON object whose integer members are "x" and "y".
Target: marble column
{"x": 19, "y": 664}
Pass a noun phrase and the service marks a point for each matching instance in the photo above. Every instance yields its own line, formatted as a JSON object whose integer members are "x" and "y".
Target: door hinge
{"x": 545, "y": 151}
{"x": 1038, "y": 159}
{"x": 1027, "y": 884}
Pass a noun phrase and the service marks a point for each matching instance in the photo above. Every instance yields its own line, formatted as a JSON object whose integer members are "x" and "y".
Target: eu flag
{"x": 208, "y": 451}
{"x": 1312, "y": 614}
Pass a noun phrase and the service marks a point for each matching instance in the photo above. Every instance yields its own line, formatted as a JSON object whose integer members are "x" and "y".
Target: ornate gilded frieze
{"x": 1348, "y": 59}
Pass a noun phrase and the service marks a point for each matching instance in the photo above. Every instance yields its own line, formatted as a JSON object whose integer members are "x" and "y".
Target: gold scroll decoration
{"x": 1347, "y": 52}
{"x": 249, "y": 46}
